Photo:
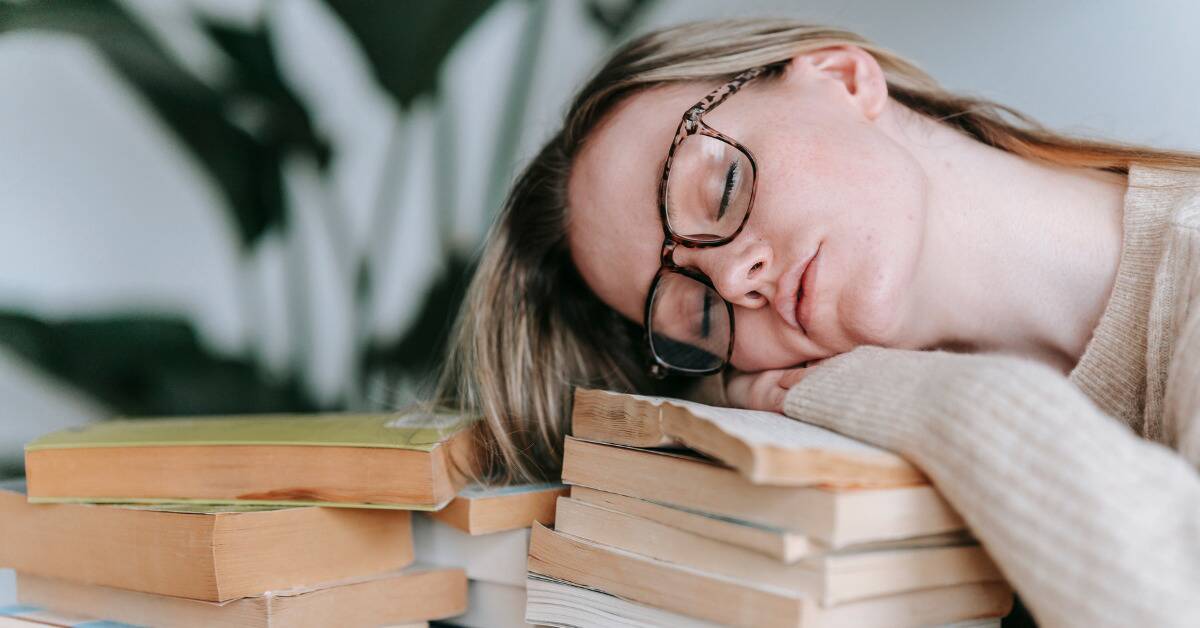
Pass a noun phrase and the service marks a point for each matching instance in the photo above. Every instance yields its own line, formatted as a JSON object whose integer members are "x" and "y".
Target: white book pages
{"x": 765, "y": 447}
{"x": 768, "y": 428}
{"x": 491, "y": 605}
{"x": 8, "y": 587}
{"x": 558, "y": 603}
{"x": 478, "y": 491}
{"x": 498, "y": 558}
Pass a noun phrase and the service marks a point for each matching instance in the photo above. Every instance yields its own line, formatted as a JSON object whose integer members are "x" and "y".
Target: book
{"x": 487, "y": 509}
{"x": 765, "y": 447}
{"x": 33, "y": 617}
{"x": 491, "y": 605}
{"x": 26, "y": 616}
{"x": 780, "y": 544}
{"x": 412, "y": 460}
{"x": 498, "y": 558}
{"x": 8, "y": 585}
{"x": 834, "y": 517}
{"x": 713, "y": 598}
{"x": 213, "y": 553}
{"x": 416, "y": 594}
{"x": 833, "y": 578}
{"x": 554, "y": 602}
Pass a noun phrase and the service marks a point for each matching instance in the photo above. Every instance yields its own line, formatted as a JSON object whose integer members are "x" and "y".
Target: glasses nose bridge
{"x": 668, "y": 256}
{"x": 692, "y": 264}
{"x": 668, "y": 253}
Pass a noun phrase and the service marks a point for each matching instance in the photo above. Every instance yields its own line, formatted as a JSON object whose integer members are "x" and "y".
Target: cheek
{"x": 870, "y": 306}
{"x": 757, "y": 343}
{"x": 880, "y": 259}
{"x": 876, "y": 231}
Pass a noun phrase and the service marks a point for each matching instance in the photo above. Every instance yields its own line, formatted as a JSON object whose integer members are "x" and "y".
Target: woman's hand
{"x": 762, "y": 390}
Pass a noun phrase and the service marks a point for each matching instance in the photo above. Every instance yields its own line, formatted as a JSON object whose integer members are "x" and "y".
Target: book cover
{"x": 416, "y": 594}
{"x": 408, "y": 461}
{"x": 480, "y": 509}
{"x": 414, "y": 431}
{"x": 212, "y": 553}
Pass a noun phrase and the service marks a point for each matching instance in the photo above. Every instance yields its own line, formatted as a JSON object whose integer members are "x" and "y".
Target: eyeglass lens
{"x": 708, "y": 188}
{"x": 689, "y": 324}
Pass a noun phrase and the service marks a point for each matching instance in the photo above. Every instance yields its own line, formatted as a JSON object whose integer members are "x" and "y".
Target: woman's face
{"x": 834, "y": 179}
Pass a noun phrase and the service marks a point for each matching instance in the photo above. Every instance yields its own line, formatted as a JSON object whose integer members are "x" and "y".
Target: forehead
{"x": 613, "y": 225}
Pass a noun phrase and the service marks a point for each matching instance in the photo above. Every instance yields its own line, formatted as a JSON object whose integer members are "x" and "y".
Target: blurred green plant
{"x": 241, "y": 129}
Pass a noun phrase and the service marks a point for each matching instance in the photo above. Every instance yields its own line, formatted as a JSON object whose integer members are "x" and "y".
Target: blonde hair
{"x": 530, "y": 329}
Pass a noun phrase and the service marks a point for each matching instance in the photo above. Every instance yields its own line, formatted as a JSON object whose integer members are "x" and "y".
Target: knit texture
{"x": 1084, "y": 489}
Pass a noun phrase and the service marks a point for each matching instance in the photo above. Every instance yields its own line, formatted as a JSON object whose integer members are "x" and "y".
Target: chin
{"x": 751, "y": 358}
{"x": 756, "y": 364}
{"x": 874, "y": 321}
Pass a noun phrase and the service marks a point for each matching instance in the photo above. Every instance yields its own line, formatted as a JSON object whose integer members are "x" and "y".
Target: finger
{"x": 773, "y": 401}
{"x": 737, "y": 388}
{"x": 753, "y": 391}
{"x": 765, "y": 393}
{"x": 792, "y": 377}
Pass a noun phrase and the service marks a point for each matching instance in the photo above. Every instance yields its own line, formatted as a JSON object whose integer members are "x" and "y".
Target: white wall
{"x": 1125, "y": 70}
{"x": 99, "y": 208}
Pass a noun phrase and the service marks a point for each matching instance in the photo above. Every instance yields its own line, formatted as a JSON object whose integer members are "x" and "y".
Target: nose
{"x": 740, "y": 270}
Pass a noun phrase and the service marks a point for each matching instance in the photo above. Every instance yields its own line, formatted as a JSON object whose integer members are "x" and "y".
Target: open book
{"x": 765, "y": 447}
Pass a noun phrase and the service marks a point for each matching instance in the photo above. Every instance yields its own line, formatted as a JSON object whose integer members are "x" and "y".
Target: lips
{"x": 789, "y": 305}
{"x": 805, "y": 290}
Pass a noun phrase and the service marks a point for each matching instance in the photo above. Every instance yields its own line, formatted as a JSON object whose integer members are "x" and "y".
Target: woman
{"x": 1009, "y": 308}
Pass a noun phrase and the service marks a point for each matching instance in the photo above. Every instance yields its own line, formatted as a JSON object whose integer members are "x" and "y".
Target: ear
{"x": 856, "y": 72}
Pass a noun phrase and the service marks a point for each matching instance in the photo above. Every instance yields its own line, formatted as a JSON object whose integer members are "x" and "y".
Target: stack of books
{"x": 690, "y": 515}
{"x": 252, "y": 521}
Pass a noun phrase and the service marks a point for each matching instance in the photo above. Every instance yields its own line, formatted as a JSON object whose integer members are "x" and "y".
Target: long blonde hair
{"x": 530, "y": 330}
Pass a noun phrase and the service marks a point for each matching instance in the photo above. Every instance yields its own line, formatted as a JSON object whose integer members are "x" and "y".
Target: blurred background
{"x": 216, "y": 206}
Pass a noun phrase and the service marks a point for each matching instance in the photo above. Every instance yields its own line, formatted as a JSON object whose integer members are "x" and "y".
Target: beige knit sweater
{"x": 1084, "y": 489}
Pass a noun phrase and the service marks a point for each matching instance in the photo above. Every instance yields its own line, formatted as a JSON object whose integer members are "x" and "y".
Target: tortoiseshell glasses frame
{"x": 690, "y": 125}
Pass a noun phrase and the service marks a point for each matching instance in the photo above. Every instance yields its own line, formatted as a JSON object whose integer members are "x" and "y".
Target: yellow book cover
{"x": 403, "y": 460}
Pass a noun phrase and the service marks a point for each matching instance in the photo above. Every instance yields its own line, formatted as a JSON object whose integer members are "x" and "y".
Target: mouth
{"x": 789, "y": 306}
{"x": 804, "y": 292}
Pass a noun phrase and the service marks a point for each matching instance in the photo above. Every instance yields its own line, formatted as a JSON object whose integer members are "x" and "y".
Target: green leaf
{"x": 419, "y": 351}
{"x": 245, "y": 169}
{"x": 143, "y": 365}
{"x": 406, "y": 42}
{"x": 277, "y": 119}
{"x": 615, "y": 17}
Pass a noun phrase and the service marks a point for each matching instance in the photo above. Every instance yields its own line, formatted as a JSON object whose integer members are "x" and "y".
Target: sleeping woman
{"x": 1014, "y": 310}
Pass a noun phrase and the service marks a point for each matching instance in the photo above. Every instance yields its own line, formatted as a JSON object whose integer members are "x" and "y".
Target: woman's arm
{"x": 1093, "y": 525}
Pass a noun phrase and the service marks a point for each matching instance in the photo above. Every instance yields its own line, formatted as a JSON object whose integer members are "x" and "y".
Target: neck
{"x": 1019, "y": 257}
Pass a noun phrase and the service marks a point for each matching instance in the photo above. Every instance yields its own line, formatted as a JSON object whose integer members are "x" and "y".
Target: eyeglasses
{"x": 704, "y": 200}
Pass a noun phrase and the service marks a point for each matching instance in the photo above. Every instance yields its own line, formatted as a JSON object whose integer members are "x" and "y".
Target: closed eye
{"x": 731, "y": 179}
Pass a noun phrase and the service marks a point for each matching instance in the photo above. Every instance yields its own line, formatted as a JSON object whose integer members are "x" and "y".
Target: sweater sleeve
{"x": 1091, "y": 524}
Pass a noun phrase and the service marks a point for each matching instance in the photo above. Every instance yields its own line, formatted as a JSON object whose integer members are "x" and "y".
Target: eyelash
{"x": 731, "y": 177}
{"x": 706, "y": 323}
